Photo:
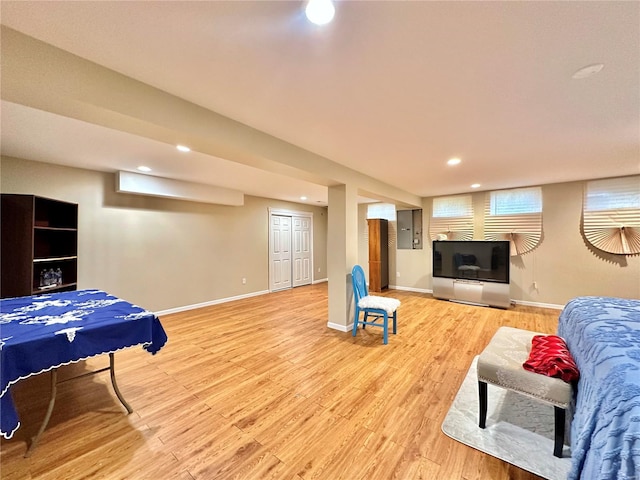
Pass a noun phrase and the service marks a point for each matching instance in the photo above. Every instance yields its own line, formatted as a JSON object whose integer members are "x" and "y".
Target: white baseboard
{"x": 342, "y": 328}
{"x": 410, "y": 289}
{"x": 320, "y": 280}
{"x": 537, "y": 304}
{"x": 518, "y": 302}
{"x": 331, "y": 325}
{"x": 212, "y": 302}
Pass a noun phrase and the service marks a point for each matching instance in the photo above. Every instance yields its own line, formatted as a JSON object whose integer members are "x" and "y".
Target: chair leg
{"x": 559, "y": 414}
{"x": 386, "y": 328}
{"x": 482, "y": 393}
{"x": 394, "y": 323}
{"x": 366, "y": 317}
{"x": 355, "y": 321}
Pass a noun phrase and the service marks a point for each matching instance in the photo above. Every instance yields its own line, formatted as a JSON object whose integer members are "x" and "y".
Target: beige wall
{"x": 166, "y": 254}
{"x": 563, "y": 266}
{"x": 162, "y": 253}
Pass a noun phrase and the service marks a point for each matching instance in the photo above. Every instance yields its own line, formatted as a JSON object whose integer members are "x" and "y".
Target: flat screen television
{"x": 486, "y": 261}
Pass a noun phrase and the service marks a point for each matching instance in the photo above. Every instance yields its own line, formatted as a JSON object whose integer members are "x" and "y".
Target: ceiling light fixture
{"x": 453, "y": 161}
{"x": 182, "y": 148}
{"x": 320, "y": 12}
{"x": 303, "y": 198}
{"x": 587, "y": 71}
{"x": 475, "y": 185}
{"x": 143, "y": 168}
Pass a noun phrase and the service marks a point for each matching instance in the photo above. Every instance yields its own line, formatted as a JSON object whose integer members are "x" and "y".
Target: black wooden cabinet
{"x": 39, "y": 245}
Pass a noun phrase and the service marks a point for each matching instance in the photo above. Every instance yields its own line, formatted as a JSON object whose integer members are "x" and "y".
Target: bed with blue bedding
{"x": 603, "y": 335}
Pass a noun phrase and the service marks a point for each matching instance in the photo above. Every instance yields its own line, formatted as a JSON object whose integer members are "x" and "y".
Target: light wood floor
{"x": 262, "y": 389}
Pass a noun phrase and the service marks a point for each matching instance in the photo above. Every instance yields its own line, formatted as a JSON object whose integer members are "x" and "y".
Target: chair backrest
{"x": 359, "y": 283}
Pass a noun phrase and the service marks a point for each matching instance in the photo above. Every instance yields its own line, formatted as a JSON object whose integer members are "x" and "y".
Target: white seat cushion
{"x": 500, "y": 363}
{"x": 382, "y": 303}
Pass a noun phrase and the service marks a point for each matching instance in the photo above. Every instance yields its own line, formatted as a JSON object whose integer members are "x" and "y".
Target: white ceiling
{"x": 391, "y": 88}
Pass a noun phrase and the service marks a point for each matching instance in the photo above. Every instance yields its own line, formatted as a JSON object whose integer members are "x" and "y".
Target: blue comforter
{"x": 603, "y": 335}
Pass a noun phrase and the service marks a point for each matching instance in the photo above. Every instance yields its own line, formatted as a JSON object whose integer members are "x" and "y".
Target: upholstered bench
{"x": 500, "y": 364}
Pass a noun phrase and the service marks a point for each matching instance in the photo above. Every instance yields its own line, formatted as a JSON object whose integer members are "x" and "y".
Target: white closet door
{"x": 301, "y": 251}
{"x": 280, "y": 253}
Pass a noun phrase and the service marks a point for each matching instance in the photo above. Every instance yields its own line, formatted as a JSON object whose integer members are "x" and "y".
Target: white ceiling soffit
{"x": 391, "y": 89}
{"x": 56, "y": 139}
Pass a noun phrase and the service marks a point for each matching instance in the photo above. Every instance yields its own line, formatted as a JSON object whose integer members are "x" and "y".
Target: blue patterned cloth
{"x": 603, "y": 335}
{"x": 43, "y": 332}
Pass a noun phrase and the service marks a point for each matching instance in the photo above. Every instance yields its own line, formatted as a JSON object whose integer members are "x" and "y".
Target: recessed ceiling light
{"x": 182, "y": 148}
{"x": 303, "y": 198}
{"x": 320, "y": 12}
{"x": 587, "y": 71}
{"x": 453, "y": 161}
{"x": 475, "y": 185}
{"x": 143, "y": 168}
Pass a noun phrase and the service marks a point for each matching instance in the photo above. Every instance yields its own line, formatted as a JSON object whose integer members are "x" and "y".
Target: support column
{"x": 342, "y": 253}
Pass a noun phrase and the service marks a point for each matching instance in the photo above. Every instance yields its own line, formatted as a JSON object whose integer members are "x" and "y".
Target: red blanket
{"x": 550, "y": 356}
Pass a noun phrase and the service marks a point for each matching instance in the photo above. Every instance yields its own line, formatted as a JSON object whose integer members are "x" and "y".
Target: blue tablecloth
{"x": 43, "y": 332}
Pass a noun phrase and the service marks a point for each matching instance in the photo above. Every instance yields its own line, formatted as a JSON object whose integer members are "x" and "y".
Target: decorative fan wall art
{"x": 613, "y": 233}
{"x": 611, "y": 214}
{"x": 520, "y": 242}
{"x": 524, "y": 231}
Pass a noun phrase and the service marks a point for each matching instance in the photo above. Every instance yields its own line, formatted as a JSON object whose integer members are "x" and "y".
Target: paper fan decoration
{"x": 621, "y": 240}
{"x": 520, "y": 242}
{"x": 611, "y": 215}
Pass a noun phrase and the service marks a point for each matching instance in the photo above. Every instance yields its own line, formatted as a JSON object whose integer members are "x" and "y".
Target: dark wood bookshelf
{"x": 38, "y": 235}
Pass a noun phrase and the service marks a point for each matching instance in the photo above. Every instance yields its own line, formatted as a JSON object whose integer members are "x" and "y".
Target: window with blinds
{"x": 514, "y": 215}
{"x": 611, "y": 214}
{"x": 452, "y": 218}
{"x": 382, "y": 210}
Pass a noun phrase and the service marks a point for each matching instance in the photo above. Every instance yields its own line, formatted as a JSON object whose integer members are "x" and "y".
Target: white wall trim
{"x": 410, "y": 289}
{"x": 342, "y": 328}
{"x": 537, "y": 304}
{"x": 331, "y": 325}
{"x": 518, "y": 302}
{"x": 320, "y": 280}
{"x": 289, "y": 213}
{"x": 212, "y": 302}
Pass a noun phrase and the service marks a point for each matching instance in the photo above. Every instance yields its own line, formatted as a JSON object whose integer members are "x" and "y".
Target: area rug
{"x": 519, "y": 429}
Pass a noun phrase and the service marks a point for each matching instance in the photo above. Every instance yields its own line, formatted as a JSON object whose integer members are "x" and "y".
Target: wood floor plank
{"x": 260, "y": 388}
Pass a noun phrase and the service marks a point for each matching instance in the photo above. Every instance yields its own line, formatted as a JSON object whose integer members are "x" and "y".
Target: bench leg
{"x": 559, "y": 414}
{"x": 482, "y": 392}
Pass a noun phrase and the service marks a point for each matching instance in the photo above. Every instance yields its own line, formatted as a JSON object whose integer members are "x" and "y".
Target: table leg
{"x": 115, "y": 385}
{"x": 47, "y": 417}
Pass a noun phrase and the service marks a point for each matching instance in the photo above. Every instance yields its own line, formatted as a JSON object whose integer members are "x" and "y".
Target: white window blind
{"x": 452, "y": 218}
{"x": 612, "y": 194}
{"x": 611, "y": 214}
{"x": 514, "y": 215}
{"x": 382, "y": 210}
{"x": 516, "y": 201}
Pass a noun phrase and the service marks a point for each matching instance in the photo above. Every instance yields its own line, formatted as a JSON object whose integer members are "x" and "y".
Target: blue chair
{"x": 378, "y": 308}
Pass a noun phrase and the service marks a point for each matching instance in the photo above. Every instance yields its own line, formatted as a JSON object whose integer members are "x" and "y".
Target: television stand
{"x": 473, "y": 292}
